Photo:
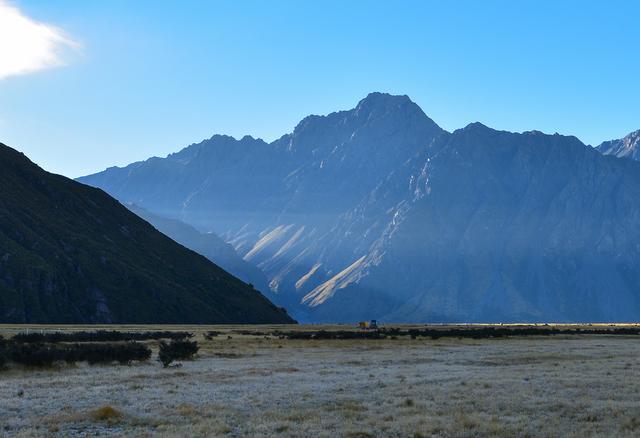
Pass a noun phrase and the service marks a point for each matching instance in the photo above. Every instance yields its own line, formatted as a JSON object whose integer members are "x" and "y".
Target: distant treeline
{"x": 436, "y": 333}
{"x": 97, "y": 336}
{"x": 501, "y": 332}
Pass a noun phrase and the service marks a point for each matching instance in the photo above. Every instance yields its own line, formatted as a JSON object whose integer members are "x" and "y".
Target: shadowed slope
{"x": 207, "y": 244}
{"x": 70, "y": 253}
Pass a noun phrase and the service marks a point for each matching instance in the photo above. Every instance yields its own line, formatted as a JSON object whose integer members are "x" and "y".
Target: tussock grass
{"x": 187, "y": 410}
{"x": 105, "y": 413}
{"x": 516, "y": 386}
{"x": 357, "y": 434}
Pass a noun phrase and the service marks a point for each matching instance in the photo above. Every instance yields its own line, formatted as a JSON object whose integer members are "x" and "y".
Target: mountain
{"x": 70, "y": 253}
{"x": 376, "y": 212}
{"x": 497, "y": 226}
{"x": 627, "y": 147}
{"x": 273, "y": 201}
{"x": 207, "y": 244}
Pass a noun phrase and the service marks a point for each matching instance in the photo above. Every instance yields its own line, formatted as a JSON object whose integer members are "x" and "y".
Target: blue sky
{"x": 138, "y": 79}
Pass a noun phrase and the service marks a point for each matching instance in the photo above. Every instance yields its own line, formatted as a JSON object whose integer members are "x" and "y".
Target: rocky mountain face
{"x": 376, "y": 212}
{"x": 496, "y": 226}
{"x": 627, "y": 147}
{"x": 273, "y": 201}
{"x": 70, "y": 253}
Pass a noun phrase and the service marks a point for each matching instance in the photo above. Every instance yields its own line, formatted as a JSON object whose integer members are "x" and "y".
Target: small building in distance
{"x": 366, "y": 325}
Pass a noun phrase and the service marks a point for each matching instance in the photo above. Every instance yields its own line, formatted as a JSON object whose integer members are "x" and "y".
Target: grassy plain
{"x": 257, "y": 385}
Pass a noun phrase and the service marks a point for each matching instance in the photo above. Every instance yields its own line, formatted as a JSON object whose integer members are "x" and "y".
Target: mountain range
{"x": 377, "y": 212}
{"x": 70, "y": 253}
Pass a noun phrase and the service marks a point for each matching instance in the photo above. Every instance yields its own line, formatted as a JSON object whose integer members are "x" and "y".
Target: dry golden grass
{"x": 251, "y": 386}
{"x": 105, "y": 413}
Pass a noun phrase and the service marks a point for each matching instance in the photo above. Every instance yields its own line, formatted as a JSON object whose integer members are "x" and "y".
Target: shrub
{"x": 35, "y": 355}
{"x": 98, "y": 336}
{"x": 3, "y": 353}
{"x": 211, "y": 334}
{"x": 40, "y": 355}
{"x": 107, "y": 353}
{"x": 176, "y": 350}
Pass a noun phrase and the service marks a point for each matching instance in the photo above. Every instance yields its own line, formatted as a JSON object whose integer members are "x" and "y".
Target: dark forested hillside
{"x": 70, "y": 253}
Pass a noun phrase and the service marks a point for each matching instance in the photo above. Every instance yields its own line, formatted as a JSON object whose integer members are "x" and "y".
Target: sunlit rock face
{"x": 627, "y": 147}
{"x": 376, "y": 212}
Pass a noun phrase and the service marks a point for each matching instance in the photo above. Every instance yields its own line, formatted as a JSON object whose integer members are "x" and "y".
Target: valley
{"x": 414, "y": 219}
{"x": 247, "y": 384}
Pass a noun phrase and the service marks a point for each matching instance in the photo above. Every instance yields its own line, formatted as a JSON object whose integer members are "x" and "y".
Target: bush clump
{"x": 211, "y": 334}
{"x": 107, "y": 353}
{"x": 41, "y": 355}
{"x": 3, "y": 353}
{"x": 98, "y": 336}
{"x": 176, "y": 350}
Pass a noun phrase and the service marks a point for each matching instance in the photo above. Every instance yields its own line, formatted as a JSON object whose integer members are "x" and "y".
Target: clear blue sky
{"x": 149, "y": 77}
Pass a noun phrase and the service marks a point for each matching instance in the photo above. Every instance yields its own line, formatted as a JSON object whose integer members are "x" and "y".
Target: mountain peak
{"x": 377, "y": 100}
{"x": 378, "y": 97}
{"x": 626, "y": 147}
{"x": 387, "y": 111}
{"x": 477, "y": 126}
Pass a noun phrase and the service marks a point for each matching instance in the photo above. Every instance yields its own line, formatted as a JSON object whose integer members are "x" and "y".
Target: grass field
{"x": 257, "y": 385}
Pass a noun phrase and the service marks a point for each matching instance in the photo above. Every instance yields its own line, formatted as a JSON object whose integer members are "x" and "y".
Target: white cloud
{"x": 27, "y": 45}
